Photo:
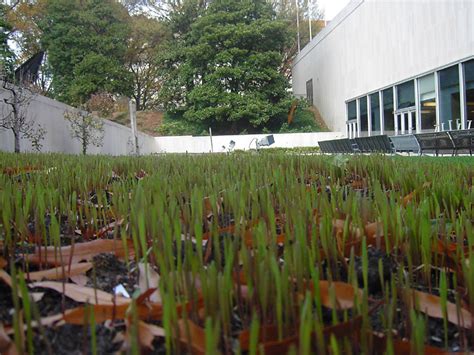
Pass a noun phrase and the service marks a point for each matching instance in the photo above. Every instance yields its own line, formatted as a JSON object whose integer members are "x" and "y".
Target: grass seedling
{"x": 26, "y": 302}
{"x": 443, "y": 291}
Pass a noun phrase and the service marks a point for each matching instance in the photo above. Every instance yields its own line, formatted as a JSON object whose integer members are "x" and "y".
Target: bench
{"x": 374, "y": 144}
{"x": 463, "y": 140}
{"x": 435, "y": 142}
{"x": 406, "y": 143}
{"x": 340, "y": 146}
{"x": 326, "y": 147}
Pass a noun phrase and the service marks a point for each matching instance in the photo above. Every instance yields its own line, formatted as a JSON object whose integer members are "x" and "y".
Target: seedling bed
{"x": 234, "y": 254}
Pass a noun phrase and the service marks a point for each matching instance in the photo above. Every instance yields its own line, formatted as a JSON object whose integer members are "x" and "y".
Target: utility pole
{"x": 210, "y": 136}
{"x": 298, "y": 25}
{"x": 310, "y": 13}
{"x": 133, "y": 123}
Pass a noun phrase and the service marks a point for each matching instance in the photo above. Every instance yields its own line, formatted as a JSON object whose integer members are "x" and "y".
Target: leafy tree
{"x": 288, "y": 12}
{"x": 224, "y": 72}
{"x": 102, "y": 104}
{"x": 168, "y": 10}
{"x": 146, "y": 38}
{"x": 86, "y": 42}
{"x": 24, "y": 17}
{"x": 7, "y": 57}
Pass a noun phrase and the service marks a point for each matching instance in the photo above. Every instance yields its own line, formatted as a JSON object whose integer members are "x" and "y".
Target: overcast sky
{"x": 331, "y": 7}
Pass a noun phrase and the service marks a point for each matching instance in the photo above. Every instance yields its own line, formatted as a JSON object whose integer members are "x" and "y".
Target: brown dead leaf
{"x": 400, "y": 346}
{"x": 193, "y": 336}
{"x": 431, "y": 305}
{"x": 345, "y": 294}
{"x": 141, "y": 174}
{"x": 110, "y": 227}
{"x": 3, "y": 263}
{"x": 82, "y": 294}
{"x": 146, "y": 311}
{"x": 80, "y": 252}
{"x": 411, "y": 196}
{"x": 344, "y": 329}
{"x": 149, "y": 278}
{"x": 268, "y": 336}
{"x": 6, "y": 278}
{"x": 207, "y": 207}
{"x": 408, "y": 198}
{"x": 61, "y": 272}
{"x": 372, "y": 231}
{"x": 5, "y": 341}
{"x": 12, "y": 171}
{"x": 80, "y": 280}
{"x": 148, "y": 332}
{"x": 44, "y": 321}
{"x": 102, "y": 313}
{"x": 280, "y": 346}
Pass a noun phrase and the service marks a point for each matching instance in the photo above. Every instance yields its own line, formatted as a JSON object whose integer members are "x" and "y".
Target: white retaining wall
{"x": 190, "y": 144}
{"x": 117, "y": 138}
{"x": 50, "y": 115}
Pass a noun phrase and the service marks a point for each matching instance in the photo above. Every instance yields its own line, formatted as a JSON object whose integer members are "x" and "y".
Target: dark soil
{"x": 159, "y": 347}
{"x": 54, "y": 303}
{"x": 66, "y": 233}
{"x": 435, "y": 337}
{"x": 109, "y": 271}
{"x": 375, "y": 257}
{"x": 219, "y": 255}
{"x": 75, "y": 339}
{"x": 6, "y": 304}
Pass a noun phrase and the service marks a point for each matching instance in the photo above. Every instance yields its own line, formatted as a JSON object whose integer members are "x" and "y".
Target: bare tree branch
{"x": 14, "y": 115}
{"x": 86, "y": 128}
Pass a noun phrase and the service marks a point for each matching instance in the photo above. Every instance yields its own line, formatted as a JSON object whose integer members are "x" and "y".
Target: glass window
{"x": 426, "y": 87}
{"x": 450, "y": 107}
{"x": 351, "y": 111}
{"x": 406, "y": 94}
{"x": 309, "y": 91}
{"x": 388, "y": 123}
{"x": 469, "y": 75}
{"x": 364, "y": 124}
{"x": 375, "y": 113}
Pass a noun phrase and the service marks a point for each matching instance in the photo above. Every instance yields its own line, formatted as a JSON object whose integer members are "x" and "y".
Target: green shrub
{"x": 302, "y": 122}
{"x": 178, "y": 126}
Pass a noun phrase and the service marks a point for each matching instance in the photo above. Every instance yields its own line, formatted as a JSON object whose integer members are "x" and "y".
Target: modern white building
{"x": 392, "y": 67}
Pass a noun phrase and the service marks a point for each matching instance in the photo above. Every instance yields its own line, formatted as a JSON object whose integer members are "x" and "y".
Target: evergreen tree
{"x": 225, "y": 70}
{"x": 86, "y": 42}
{"x": 7, "y": 56}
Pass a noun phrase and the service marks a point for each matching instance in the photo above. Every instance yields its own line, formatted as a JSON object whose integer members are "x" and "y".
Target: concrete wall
{"x": 372, "y": 44}
{"x": 50, "y": 115}
{"x": 190, "y": 144}
{"x": 117, "y": 139}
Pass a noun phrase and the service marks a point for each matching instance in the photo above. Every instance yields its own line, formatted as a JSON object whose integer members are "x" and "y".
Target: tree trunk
{"x": 17, "y": 142}
{"x": 138, "y": 101}
{"x": 85, "y": 138}
{"x": 16, "y": 122}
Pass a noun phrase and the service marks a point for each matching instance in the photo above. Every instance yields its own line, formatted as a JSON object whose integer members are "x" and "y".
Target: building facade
{"x": 392, "y": 67}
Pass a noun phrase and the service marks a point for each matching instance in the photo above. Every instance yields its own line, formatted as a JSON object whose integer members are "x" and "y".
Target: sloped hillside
{"x": 147, "y": 121}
